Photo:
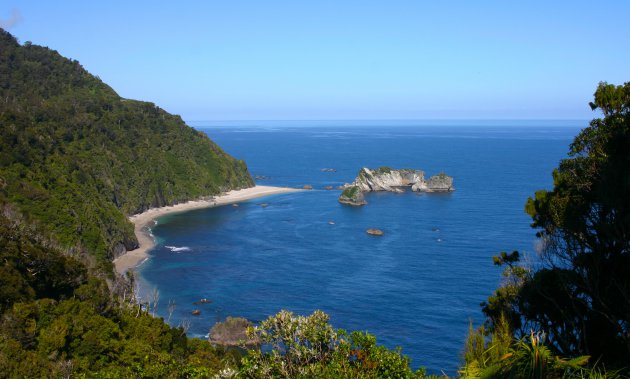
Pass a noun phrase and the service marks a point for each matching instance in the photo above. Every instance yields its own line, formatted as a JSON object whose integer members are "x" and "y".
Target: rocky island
{"x": 392, "y": 180}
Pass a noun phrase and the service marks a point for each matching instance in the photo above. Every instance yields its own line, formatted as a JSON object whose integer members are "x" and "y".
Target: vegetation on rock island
{"x": 76, "y": 159}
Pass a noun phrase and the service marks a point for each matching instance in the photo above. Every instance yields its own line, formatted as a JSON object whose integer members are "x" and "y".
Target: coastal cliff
{"x": 392, "y": 180}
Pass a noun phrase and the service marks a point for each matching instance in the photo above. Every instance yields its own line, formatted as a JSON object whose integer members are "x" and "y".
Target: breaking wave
{"x": 176, "y": 249}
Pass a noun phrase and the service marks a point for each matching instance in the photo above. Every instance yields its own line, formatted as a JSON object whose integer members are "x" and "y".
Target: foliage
{"x": 29, "y": 270}
{"x": 77, "y": 159}
{"x": 527, "y": 358}
{"x": 350, "y": 192}
{"x": 580, "y": 296}
{"x": 309, "y": 347}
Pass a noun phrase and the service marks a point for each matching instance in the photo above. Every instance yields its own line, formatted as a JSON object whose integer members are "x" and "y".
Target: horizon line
{"x": 386, "y": 119}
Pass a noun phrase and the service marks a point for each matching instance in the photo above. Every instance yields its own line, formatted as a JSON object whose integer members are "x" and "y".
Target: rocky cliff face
{"x": 388, "y": 179}
{"x": 440, "y": 183}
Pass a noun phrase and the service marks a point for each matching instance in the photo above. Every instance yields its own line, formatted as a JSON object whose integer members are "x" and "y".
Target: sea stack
{"x": 392, "y": 180}
{"x": 352, "y": 195}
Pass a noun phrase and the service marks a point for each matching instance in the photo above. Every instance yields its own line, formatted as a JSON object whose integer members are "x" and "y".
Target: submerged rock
{"x": 352, "y": 196}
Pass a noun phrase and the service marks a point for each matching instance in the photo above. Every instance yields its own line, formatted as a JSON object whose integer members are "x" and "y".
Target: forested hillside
{"x": 76, "y": 158}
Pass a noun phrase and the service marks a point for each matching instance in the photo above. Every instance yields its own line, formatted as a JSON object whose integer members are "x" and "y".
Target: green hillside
{"x": 76, "y": 158}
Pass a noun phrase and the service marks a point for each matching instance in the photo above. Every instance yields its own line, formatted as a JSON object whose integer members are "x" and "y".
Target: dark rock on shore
{"x": 232, "y": 332}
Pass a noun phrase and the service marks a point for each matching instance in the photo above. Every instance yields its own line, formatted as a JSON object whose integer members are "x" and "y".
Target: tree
{"x": 309, "y": 347}
{"x": 580, "y": 296}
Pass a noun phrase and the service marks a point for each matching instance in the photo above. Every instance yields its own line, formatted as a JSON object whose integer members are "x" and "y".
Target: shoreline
{"x": 140, "y": 221}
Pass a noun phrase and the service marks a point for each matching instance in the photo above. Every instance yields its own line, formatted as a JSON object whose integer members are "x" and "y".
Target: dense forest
{"x": 76, "y": 159}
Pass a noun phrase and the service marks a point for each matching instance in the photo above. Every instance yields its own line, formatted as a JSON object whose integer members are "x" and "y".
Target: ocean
{"x": 418, "y": 287}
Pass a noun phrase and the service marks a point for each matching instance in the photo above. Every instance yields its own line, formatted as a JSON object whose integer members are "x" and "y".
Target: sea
{"x": 418, "y": 287}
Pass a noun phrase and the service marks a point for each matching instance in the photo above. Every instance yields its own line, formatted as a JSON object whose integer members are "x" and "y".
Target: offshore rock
{"x": 352, "y": 195}
{"x": 387, "y": 179}
{"x": 440, "y": 183}
{"x": 375, "y": 232}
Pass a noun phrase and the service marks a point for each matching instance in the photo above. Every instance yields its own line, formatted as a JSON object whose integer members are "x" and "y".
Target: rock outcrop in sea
{"x": 352, "y": 195}
{"x": 392, "y": 180}
{"x": 439, "y": 183}
{"x": 387, "y": 179}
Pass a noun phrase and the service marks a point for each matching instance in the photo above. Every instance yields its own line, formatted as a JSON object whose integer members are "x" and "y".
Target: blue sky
{"x": 236, "y": 60}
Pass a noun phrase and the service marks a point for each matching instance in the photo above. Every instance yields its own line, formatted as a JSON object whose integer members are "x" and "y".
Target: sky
{"x": 319, "y": 60}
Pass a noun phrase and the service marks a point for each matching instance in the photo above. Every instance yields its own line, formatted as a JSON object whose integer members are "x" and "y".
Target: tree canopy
{"x": 580, "y": 295}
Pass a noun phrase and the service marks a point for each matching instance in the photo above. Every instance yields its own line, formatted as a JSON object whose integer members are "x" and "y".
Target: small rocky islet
{"x": 392, "y": 180}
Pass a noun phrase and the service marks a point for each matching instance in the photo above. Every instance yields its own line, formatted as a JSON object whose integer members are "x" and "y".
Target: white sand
{"x": 140, "y": 221}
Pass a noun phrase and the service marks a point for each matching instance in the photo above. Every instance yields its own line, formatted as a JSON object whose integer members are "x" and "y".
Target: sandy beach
{"x": 140, "y": 221}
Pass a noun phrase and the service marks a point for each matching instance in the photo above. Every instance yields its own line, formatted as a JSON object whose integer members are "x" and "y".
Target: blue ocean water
{"x": 418, "y": 286}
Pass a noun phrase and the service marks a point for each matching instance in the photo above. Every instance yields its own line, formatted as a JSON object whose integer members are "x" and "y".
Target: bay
{"x": 419, "y": 286}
